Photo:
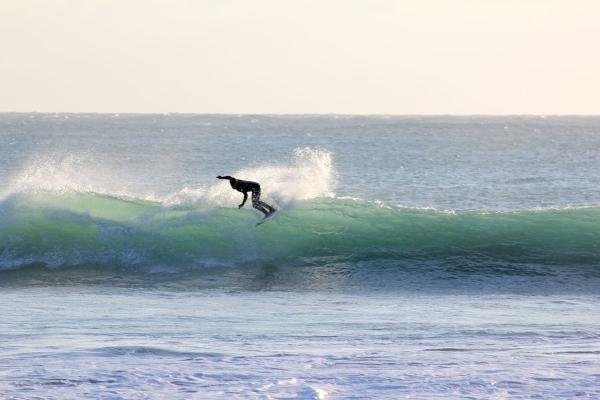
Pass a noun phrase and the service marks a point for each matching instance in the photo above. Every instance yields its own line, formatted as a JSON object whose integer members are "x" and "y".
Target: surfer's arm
{"x": 245, "y": 198}
{"x": 224, "y": 177}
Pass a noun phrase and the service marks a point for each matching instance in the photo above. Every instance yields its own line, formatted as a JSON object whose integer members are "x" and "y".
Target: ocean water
{"x": 411, "y": 257}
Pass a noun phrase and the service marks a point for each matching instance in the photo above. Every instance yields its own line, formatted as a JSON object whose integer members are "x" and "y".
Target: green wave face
{"x": 91, "y": 229}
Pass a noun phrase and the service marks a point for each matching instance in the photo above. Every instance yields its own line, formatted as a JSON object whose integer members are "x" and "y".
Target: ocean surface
{"x": 411, "y": 257}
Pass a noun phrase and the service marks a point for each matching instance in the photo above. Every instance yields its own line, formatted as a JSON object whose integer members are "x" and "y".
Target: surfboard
{"x": 267, "y": 218}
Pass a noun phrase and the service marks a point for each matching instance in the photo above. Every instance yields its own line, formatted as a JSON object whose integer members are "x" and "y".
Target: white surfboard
{"x": 267, "y": 218}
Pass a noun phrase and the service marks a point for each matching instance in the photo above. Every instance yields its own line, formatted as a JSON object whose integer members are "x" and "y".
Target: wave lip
{"x": 70, "y": 229}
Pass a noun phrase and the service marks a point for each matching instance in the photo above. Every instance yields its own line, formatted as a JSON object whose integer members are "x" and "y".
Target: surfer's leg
{"x": 268, "y": 207}
{"x": 261, "y": 205}
{"x": 256, "y": 203}
{"x": 255, "y": 198}
{"x": 262, "y": 210}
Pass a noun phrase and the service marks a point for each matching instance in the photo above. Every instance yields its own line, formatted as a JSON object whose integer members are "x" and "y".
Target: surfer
{"x": 248, "y": 186}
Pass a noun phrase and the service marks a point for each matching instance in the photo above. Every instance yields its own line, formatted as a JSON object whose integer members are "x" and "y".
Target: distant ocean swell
{"x": 72, "y": 229}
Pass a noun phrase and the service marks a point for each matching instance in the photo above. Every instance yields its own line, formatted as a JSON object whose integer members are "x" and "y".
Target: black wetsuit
{"x": 248, "y": 186}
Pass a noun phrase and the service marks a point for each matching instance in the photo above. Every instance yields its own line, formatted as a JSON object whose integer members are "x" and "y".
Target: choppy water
{"x": 425, "y": 257}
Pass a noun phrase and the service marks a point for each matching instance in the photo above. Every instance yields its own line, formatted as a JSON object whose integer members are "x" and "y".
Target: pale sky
{"x": 305, "y": 56}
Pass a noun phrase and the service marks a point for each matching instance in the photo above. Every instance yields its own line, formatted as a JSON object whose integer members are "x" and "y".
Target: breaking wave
{"x": 71, "y": 229}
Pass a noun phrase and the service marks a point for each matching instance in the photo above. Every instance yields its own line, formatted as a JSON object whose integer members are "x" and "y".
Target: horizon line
{"x": 118, "y": 113}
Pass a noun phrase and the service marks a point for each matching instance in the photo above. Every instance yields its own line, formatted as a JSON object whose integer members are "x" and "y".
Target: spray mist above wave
{"x": 72, "y": 173}
{"x": 309, "y": 175}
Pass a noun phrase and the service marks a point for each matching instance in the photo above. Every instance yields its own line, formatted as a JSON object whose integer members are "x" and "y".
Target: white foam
{"x": 49, "y": 174}
{"x": 66, "y": 174}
